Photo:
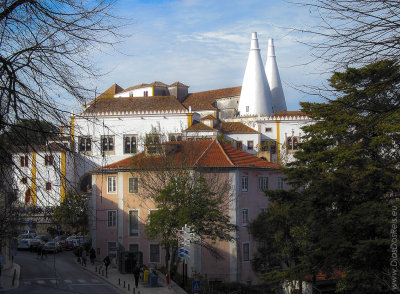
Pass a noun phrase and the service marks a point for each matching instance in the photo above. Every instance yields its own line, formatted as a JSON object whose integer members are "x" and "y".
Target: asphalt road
{"x": 56, "y": 274}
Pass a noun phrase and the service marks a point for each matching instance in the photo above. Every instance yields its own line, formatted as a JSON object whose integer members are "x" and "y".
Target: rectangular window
{"x": 268, "y": 145}
{"x": 246, "y": 251}
{"x": 146, "y": 93}
{"x": 134, "y": 247}
{"x": 292, "y": 143}
{"x": 239, "y": 145}
{"x": 48, "y": 186}
{"x": 245, "y": 183}
{"x": 107, "y": 143}
{"x": 267, "y": 130}
{"x": 48, "y": 160}
{"x": 24, "y": 180}
{"x": 111, "y": 218}
{"x": 112, "y": 249}
{"x": 133, "y": 185}
{"x": 24, "y": 161}
{"x": 85, "y": 144}
{"x": 130, "y": 144}
{"x": 280, "y": 183}
{"x": 112, "y": 184}
{"x": 155, "y": 253}
{"x": 263, "y": 210}
{"x": 262, "y": 183}
{"x": 250, "y": 145}
{"x": 133, "y": 223}
{"x": 153, "y": 144}
{"x": 247, "y": 108}
{"x": 245, "y": 216}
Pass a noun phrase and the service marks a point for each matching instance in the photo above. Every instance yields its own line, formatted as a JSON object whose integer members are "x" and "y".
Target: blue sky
{"x": 204, "y": 44}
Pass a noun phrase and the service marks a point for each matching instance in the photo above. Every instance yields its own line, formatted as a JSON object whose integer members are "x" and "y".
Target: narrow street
{"x": 58, "y": 273}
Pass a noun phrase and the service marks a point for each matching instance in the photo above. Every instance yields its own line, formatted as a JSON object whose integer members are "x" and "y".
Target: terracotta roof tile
{"x": 236, "y": 128}
{"x": 204, "y": 100}
{"x": 198, "y": 127}
{"x": 109, "y": 93}
{"x": 153, "y": 103}
{"x": 208, "y": 117}
{"x": 204, "y": 153}
{"x": 179, "y": 84}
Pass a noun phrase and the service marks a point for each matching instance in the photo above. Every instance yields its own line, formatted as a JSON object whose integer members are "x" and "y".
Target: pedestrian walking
{"x": 39, "y": 251}
{"x": 107, "y": 262}
{"x": 92, "y": 256}
{"x": 136, "y": 274}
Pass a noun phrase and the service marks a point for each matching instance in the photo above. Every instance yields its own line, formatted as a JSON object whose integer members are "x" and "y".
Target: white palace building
{"x": 122, "y": 122}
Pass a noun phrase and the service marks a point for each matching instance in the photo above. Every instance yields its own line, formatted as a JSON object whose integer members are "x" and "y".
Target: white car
{"x": 31, "y": 244}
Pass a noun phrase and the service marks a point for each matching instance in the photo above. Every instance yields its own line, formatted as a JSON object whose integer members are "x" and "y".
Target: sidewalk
{"x": 117, "y": 279}
{"x": 10, "y": 277}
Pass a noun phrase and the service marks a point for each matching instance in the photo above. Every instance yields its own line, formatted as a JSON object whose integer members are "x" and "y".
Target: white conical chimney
{"x": 274, "y": 80}
{"x": 255, "y": 97}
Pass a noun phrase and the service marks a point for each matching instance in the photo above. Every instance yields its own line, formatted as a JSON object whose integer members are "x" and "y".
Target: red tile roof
{"x": 204, "y": 100}
{"x": 204, "y": 153}
{"x": 236, "y": 128}
{"x": 208, "y": 117}
{"x": 198, "y": 127}
{"x": 152, "y": 103}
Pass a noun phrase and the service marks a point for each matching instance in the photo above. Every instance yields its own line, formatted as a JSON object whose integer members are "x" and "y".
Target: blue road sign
{"x": 182, "y": 250}
{"x": 181, "y": 255}
{"x": 58, "y": 227}
{"x": 30, "y": 223}
{"x": 196, "y": 286}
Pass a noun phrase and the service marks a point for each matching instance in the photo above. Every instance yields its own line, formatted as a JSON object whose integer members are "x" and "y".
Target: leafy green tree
{"x": 73, "y": 212}
{"x": 345, "y": 181}
{"x": 187, "y": 199}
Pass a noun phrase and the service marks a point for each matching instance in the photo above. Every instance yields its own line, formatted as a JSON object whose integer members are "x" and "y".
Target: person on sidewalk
{"x": 92, "y": 255}
{"x": 107, "y": 262}
{"x": 136, "y": 274}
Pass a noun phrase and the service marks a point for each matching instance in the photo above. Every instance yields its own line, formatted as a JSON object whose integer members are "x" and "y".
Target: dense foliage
{"x": 337, "y": 218}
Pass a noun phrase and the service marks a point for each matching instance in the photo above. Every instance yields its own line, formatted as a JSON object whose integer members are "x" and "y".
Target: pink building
{"x": 120, "y": 205}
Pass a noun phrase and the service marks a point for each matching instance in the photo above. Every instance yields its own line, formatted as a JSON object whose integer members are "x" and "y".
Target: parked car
{"x": 62, "y": 240}
{"x": 75, "y": 241}
{"x": 31, "y": 244}
{"x": 26, "y": 236}
{"x": 52, "y": 247}
{"x": 45, "y": 238}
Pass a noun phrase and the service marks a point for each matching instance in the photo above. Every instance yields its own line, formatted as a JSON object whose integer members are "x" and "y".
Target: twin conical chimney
{"x": 262, "y": 92}
{"x": 255, "y": 97}
{"x": 274, "y": 80}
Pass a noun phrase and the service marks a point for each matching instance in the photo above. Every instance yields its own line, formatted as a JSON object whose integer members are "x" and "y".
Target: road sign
{"x": 196, "y": 286}
{"x": 30, "y": 223}
{"x": 59, "y": 228}
{"x": 181, "y": 255}
{"x": 182, "y": 250}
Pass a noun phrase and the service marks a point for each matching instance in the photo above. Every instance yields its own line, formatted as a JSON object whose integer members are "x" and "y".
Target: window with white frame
{"x": 107, "y": 143}
{"x": 48, "y": 160}
{"x": 130, "y": 144}
{"x": 292, "y": 143}
{"x": 134, "y": 247}
{"x": 250, "y": 145}
{"x": 263, "y": 210}
{"x": 112, "y": 184}
{"x": 262, "y": 183}
{"x": 24, "y": 161}
{"x": 155, "y": 253}
{"x": 280, "y": 183}
{"x": 245, "y": 216}
{"x": 111, "y": 218}
{"x": 153, "y": 143}
{"x": 134, "y": 223}
{"x": 48, "y": 186}
{"x": 246, "y": 251}
{"x": 245, "y": 183}
{"x": 112, "y": 249}
{"x": 85, "y": 144}
{"x": 133, "y": 185}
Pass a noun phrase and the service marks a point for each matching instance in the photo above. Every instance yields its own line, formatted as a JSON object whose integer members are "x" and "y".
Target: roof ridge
{"x": 223, "y": 151}
{"x": 204, "y": 152}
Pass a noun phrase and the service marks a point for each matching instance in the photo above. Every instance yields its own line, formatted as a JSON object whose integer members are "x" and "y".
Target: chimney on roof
{"x": 274, "y": 80}
{"x": 179, "y": 90}
{"x": 255, "y": 97}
